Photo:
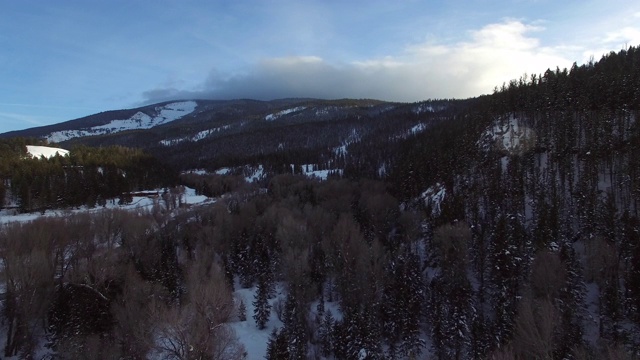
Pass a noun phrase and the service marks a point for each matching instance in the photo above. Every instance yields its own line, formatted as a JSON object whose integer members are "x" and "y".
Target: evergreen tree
{"x": 277, "y": 346}
{"x": 403, "y": 303}
{"x": 295, "y": 328}
{"x": 242, "y": 311}
{"x": 326, "y": 333}
{"x": 507, "y": 267}
{"x": 262, "y": 308}
{"x": 571, "y": 303}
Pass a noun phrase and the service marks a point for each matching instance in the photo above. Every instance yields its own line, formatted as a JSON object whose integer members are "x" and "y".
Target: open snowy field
{"x": 139, "y": 203}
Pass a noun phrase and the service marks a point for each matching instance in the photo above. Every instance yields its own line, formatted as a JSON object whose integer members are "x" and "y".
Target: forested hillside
{"x": 506, "y": 228}
{"x": 87, "y": 176}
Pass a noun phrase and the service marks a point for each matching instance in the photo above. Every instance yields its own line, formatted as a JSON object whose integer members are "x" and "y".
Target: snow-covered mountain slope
{"x": 46, "y": 151}
{"x": 274, "y": 116}
{"x": 140, "y": 120}
{"x": 201, "y": 135}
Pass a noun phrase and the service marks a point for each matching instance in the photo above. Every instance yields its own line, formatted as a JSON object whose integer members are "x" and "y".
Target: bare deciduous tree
{"x": 535, "y": 328}
{"x": 29, "y": 271}
{"x": 197, "y": 328}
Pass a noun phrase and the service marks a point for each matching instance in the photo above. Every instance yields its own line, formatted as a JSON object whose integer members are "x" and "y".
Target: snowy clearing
{"x": 46, "y": 151}
{"x": 139, "y": 204}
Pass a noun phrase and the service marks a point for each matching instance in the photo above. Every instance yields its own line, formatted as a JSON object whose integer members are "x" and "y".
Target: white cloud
{"x": 625, "y": 36}
{"x": 494, "y": 54}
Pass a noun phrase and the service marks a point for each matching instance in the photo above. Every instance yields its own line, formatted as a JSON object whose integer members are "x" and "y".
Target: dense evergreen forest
{"x": 88, "y": 176}
{"x": 530, "y": 250}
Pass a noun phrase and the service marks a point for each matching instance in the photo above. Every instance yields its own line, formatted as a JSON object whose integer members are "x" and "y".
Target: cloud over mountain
{"x": 489, "y": 56}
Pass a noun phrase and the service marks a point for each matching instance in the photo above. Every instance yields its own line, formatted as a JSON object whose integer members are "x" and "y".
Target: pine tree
{"x": 242, "y": 311}
{"x": 295, "y": 328}
{"x": 451, "y": 316}
{"x": 277, "y": 346}
{"x": 403, "y": 302}
{"x": 507, "y": 263}
{"x": 320, "y": 309}
{"x": 326, "y": 333}
{"x": 262, "y": 308}
{"x": 571, "y": 304}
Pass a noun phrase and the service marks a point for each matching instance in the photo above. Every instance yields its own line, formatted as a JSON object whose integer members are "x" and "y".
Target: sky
{"x": 64, "y": 59}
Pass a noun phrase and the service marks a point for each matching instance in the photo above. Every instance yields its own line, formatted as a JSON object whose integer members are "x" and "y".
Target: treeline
{"x": 612, "y": 83}
{"x": 87, "y": 176}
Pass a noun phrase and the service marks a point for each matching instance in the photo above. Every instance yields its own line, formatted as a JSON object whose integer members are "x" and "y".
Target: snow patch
{"x": 256, "y": 175}
{"x": 274, "y": 116}
{"x": 427, "y": 108}
{"x": 312, "y": 170}
{"x": 418, "y": 128}
{"x": 325, "y": 110}
{"x": 422, "y": 108}
{"x": 255, "y": 340}
{"x": 223, "y": 171}
{"x": 46, "y": 151}
{"x": 382, "y": 170}
{"x": 510, "y": 136}
{"x": 195, "y": 138}
{"x": 433, "y": 197}
{"x": 353, "y": 137}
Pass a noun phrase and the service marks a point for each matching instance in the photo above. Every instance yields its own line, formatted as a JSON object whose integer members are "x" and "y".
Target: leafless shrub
{"x": 535, "y": 327}
{"x": 29, "y": 274}
{"x": 132, "y": 332}
{"x": 197, "y": 328}
{"x": 505, "y": 353}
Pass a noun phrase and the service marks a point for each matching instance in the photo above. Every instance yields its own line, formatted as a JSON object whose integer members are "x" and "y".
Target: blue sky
{"x": 61, "y": 60}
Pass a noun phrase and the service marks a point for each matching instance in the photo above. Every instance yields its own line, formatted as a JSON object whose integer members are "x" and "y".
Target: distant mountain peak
{"x": 140, "y": 120}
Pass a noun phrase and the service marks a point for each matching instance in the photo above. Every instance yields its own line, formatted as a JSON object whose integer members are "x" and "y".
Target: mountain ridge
{"x": 213, "y": 131}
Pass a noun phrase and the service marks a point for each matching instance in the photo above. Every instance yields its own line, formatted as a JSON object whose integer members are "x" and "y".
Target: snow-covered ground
{"x": 353, "y": 137}
{"x": 46, "y": 151}
{"x": 139, "y": 203}
{"x": 223, "y": 171}
{"x": 508, "y": 135}
{"x": 256, "y": 175}
{"x": 311, "y": 170}
{"x": 253, "y": 339}
{"x": 163, "y": 114}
